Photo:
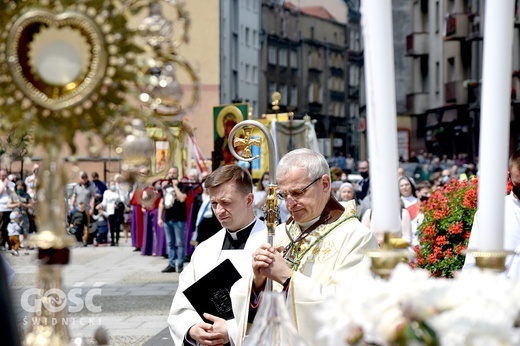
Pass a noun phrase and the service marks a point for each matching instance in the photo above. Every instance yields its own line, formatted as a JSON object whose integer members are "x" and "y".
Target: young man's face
{"x": 81, "y": 207}
{"x": 230, "y": 206}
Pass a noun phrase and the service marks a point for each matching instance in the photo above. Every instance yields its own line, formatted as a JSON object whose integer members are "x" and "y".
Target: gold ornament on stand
{"x": 494, "y": 261}
{"x": 392, "y": 252}
{"x": 69, "y": 66}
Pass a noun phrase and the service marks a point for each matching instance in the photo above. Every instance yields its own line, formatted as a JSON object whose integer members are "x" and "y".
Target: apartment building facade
{"x": 304, "y": 58}
{"x": 446, "y": 47}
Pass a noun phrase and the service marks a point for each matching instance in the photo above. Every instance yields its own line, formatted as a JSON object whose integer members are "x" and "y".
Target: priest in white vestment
{"x": 321, "y": 242}
{"x": 511, "y": 224}
{"x": 231, "y": 196}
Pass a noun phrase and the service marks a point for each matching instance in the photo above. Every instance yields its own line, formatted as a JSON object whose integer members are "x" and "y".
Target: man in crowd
{"x": 84, "y": 191}
{"x": 511, "y": 224}
{"x": 312, "y": 251}
{"x": 101, "y": 187}
{"x": 230, "y": 189}
{"x": 173, "y": 207}
{"x": 363, "y": 185}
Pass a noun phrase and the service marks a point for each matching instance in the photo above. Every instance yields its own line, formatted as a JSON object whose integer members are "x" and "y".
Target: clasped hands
{"x": 268, "y": 262}
{"x": 206, "y": 334}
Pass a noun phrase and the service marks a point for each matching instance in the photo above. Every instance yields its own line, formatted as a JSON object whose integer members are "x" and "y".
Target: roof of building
{"x": 314, "y": 11}
{"x": 317, "y": 11}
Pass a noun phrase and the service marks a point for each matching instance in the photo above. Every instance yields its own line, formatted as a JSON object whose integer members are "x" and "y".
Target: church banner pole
{"x": 271, "y": 203}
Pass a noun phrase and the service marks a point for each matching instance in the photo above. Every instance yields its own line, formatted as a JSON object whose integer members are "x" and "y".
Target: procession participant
{"x": 511, "y": 224}
{"x": 84, "y": 191}
{"x": 313, "y": 250}
{"x": 172, "y": 216}
{"x": 231, "y": 194}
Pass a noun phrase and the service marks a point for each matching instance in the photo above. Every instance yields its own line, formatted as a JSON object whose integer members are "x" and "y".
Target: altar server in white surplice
{"x": 231, "y": 196}
{"x": 511, "y": 224}
{"x": 319, "y": 244}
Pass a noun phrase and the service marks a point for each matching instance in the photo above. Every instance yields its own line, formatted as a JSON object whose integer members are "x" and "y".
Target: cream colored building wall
{"x": 203, "y": 51}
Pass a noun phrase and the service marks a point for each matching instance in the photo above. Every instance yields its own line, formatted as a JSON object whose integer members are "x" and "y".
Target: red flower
{"x": 456, "y": 228}
{"x": 448, "y": 215}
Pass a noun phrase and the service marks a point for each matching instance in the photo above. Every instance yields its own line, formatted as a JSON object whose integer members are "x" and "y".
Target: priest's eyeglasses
{"x": 295, "y": 194}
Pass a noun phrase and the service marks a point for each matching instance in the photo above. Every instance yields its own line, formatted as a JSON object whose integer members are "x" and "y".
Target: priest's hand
{"x": 269, "y": 263}
{"x": 210, "y": 334}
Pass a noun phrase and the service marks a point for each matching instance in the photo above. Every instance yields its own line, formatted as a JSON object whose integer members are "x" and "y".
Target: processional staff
{"x": 271, "y": 203}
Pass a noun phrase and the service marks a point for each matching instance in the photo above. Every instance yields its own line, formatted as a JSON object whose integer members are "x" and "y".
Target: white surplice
{"x": 511, "y": 237}
{"x": 206, "y": 257}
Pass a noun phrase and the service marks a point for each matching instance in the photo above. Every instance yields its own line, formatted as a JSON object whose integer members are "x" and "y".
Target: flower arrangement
{"x": 445, "y": 230}
{"x": 413, "y": 308}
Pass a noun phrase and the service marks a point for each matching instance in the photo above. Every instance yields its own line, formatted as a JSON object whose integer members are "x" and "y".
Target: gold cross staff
{"x": 247, "y": 142}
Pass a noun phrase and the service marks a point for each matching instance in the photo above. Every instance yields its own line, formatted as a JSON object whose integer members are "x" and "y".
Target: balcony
{"x": 456, "y": 27}
{"x": 417, "y": 44}
{"x": 454, "y": 92}
{"x": 474, "y": 27}
{"x": 416, "y": 103}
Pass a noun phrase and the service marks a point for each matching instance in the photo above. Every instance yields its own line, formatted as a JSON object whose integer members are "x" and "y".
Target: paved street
{"x": 128, "y": 294}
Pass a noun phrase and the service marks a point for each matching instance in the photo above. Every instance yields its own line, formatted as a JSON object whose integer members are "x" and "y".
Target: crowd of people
{"x": 324, "y": 230}
{"x": 99, "y": 212}
{"x": 429, "y": 173}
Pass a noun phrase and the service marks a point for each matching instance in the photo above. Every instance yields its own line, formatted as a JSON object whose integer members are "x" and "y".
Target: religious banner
{"x": 225, "y": 118}
{"x": 165, "y": 156}
{"x": 161, "y": 153}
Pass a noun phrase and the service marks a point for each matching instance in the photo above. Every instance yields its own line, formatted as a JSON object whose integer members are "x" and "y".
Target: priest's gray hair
{"x": 314, "y": 163}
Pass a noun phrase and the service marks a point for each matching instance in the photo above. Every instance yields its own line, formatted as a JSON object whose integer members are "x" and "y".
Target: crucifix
{"x": 271, "y": 203}
{"x": 247, "y": 142}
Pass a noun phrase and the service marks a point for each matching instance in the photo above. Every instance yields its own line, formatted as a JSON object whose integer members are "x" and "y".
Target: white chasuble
{"x": 323, "y": 258}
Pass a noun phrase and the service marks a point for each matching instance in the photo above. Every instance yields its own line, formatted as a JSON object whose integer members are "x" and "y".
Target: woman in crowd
{"x": 347, "y": 192}
{"x": 409, "y": 196}
{"x": 111, "y": 200}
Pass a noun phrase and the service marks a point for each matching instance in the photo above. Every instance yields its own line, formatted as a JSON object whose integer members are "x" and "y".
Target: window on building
{"x": 234, "y": 85}
{"x": 272, "y": 55}
{"x": 254, "y": 76}
{"x": 248, "y": 43}
{"x": 312, "y": 33}
{"x": 283, "y": 27}
{"x": 283, "y": 57}
{"x": 283, "y": 92}
{"x": 234, "y": 51}
{"x": 437, "y": 17}
{"x": 293, "y": 59}
{"x": 248, "y": 73}
{"x": 437, "y": 77}
{"x": 452, "y": 76}
{"x": 254, "y": 40}
{"x": 294, "y": 96}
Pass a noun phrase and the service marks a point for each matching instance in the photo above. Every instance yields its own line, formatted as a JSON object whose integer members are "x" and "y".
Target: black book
{"x": 210, "y": 294}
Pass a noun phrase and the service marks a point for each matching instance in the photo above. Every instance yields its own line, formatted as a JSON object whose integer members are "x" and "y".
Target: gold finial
{"x": 249, "y": 112}
{"x": 276, "y": 96}
{"x": 247, "y": 142}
